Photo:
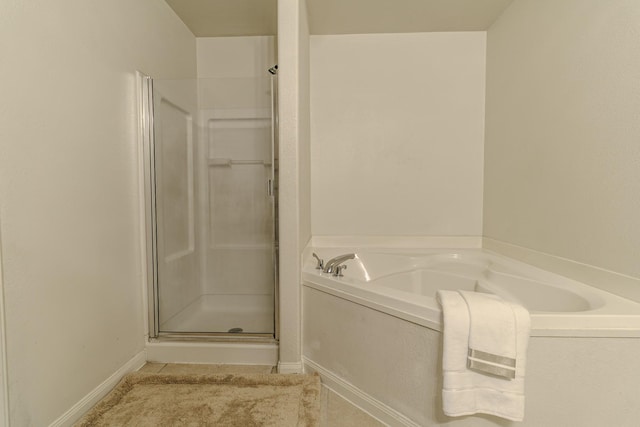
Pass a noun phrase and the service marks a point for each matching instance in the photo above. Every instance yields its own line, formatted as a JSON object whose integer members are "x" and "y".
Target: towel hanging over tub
{"x": 484, "y": 354}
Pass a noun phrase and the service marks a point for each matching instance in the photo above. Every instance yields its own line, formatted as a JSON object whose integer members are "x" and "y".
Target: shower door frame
{"x": 147, "y": 181}
{"x": 149, "y": 230}
{"x": 274, "y": 186}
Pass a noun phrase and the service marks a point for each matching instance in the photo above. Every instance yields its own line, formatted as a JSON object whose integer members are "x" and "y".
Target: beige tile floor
{"x": 335, "y": 411}
{"x": 338, "y": 412}
{"x": 185, "y": 368}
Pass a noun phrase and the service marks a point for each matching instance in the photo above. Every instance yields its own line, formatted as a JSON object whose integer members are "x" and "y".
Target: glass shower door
{"x": 214, "y": 205}
{"x": 174, "y": 131}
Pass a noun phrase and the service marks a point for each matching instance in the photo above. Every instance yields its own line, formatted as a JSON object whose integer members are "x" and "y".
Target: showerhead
{"x": 274, "y": 70}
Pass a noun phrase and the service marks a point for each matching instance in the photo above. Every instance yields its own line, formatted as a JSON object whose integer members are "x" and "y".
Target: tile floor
{"x": 335, "y": 411}
{"x": 184, "y": 368}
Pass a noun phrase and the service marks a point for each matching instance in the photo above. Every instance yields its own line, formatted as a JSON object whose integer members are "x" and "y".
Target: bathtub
{"x": 404, "y": 283}
{"x": 374, "y": 336}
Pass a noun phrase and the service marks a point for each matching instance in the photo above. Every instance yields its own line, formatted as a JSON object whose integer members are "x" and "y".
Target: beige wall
{"x": 397, "y": 134}
{"x": 304, "y": 129}
{"x": 235, "y": 57}
{"x": 232, "y": 71}
{"x": 562, "y": 150}
{"x": 294, "y": 209}
{"x": 68, "y": 189}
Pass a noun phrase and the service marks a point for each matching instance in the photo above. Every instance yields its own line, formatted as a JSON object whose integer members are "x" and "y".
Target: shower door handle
{"x": 270, "y": 187}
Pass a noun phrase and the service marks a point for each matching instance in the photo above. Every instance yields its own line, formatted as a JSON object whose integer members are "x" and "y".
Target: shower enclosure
{"x": 212, "y": 183}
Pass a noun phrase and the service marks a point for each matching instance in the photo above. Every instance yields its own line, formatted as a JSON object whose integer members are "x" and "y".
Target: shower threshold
{"x": 214, "y": 337}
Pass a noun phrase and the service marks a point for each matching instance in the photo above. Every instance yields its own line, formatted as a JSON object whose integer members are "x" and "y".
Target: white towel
{"x": 483, "y": 380}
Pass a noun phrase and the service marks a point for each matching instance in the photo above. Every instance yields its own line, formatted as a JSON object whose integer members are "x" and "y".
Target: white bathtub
{"x": 374, "y": 337}
{"x": 403, "y": 283}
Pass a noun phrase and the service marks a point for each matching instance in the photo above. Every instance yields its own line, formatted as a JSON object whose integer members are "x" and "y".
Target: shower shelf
{"x": 229, "y": 162}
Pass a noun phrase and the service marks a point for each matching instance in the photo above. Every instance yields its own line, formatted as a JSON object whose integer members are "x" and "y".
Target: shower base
{"x": 214, "y": 313}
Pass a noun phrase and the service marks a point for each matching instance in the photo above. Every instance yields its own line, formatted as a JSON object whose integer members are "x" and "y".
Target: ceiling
{"x": 219, "y": 18}
{"x": 402, "y": 16}
{"x": 222, "y": 18}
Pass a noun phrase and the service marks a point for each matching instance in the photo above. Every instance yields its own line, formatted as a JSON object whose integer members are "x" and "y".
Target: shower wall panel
{"x": 240, "y": 250}
{"x": 234, "y": 99}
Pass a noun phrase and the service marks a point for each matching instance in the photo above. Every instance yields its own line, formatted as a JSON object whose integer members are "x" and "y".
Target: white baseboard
{"x": 87, "y": 402}
{"x": 213, "y": 353}
{"x": 4, "y": 384}
{"x": 359, "y": 398}
{"x": 290, "y": 367}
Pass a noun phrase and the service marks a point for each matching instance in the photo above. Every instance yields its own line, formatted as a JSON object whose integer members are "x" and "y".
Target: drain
{"x": 234, "y": 330}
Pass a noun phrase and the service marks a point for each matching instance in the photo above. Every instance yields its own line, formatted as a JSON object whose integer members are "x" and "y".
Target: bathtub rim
{"x": 542, "y": 324}
{"x": 593, "y": 323}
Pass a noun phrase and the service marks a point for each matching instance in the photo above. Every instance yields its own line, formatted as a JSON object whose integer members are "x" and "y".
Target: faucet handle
{"x": 338, "y": 272}
{"x": 320, "y": 262}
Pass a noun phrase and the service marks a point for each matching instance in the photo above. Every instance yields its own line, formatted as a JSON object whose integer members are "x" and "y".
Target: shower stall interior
{"x": 211, "y": 166}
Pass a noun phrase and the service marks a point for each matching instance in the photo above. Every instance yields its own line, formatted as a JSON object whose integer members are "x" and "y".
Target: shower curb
{"x": 213, "y": 353}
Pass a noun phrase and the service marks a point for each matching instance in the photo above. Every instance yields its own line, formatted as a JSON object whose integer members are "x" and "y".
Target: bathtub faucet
{"x": 334, "y": 263}
{"x": 319, "y": 262}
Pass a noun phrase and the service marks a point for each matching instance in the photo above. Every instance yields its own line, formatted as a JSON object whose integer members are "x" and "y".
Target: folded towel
{"x": 492, "y": 334}
{"x": 484, "y": 354}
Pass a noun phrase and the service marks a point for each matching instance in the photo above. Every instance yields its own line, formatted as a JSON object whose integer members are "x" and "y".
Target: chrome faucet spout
{"x": 330, "y": 265}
